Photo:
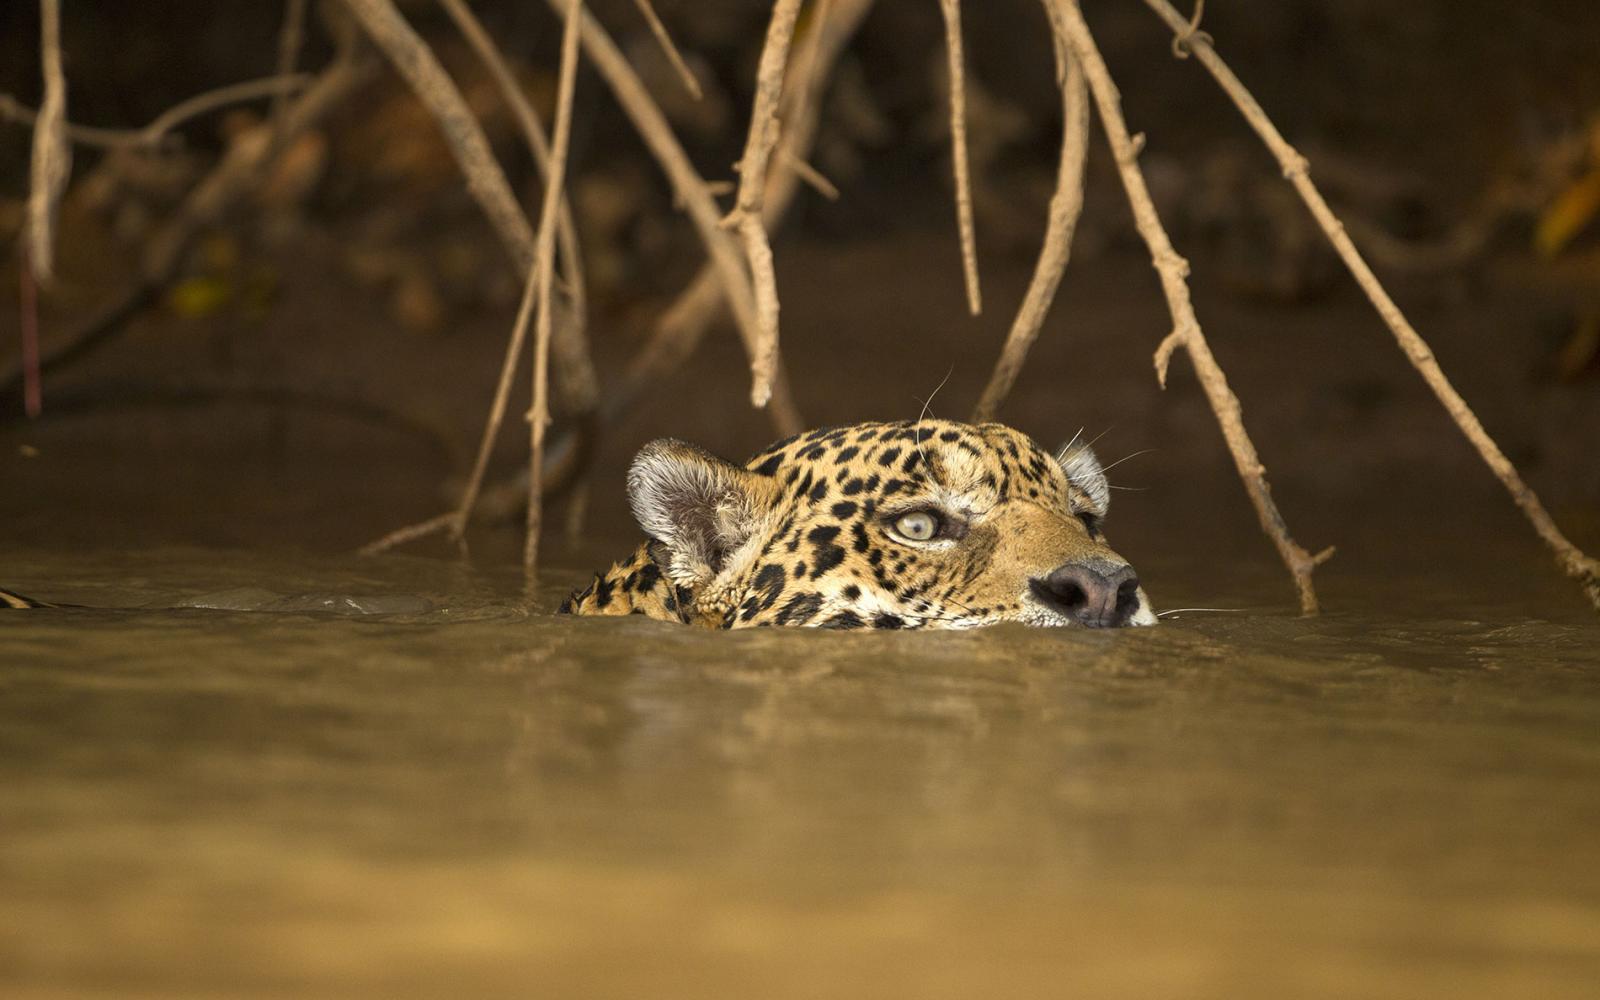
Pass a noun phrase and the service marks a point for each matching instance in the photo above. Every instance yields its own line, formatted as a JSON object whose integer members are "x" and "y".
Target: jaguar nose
{"x": 1094, "y": 593}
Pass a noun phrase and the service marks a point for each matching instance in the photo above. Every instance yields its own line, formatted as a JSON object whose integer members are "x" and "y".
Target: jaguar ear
{"x": 1083, "y": 471}
{"x": 701, "y": 507}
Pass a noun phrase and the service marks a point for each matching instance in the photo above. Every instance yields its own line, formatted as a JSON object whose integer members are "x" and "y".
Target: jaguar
{"x": 883, "y": 525}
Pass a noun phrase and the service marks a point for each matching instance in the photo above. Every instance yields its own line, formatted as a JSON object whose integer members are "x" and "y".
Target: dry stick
{"x": 152, "y": 134}
{"x": 420, "y": 68}
{"x": 229, "y": 181}
{"x": 52, "y": 154}
{"x": 683, "y": 324}
{"x": 688, "y": 187}
{"x": 575, "y": 373}
{"x": 1173, "y": 270}
{"x": 543, "y": 273}
{"x": 1066, "y": 205}
{"x": 487, "y": 183}
{"x": 746, "y": 216}
{"x": 691, "y": 192}
{"x": 1573, "y": 561}
{"x": 673, "y": 55}
{"x": 813, "y": 177}
{"x": 249, "y": 90}
{"x": 951, "y": 9}
{"x": 409, "y": 533}
{"x": 579, "y": 377}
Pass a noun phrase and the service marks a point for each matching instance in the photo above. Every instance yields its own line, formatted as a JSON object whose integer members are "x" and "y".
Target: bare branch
{"x": 153, "y": 134}
{"x": 812, "y": 176}
{"x": 687, "y": 185}
{"x": 746, "y": 217}
{"x": 200, "y": 104}
{"x": 951, "y": 9}
{"x": 543, "y": 274}
{"x": 683, "y": 324}
{"x": 1573, "y": 561}
{"x": 1173, "y": 270}
{"x": 415, "y": 61}
{"x": 410, "y": 533}
{"x": 673, "y": 55}
{"x": 52, "y": 154}
{"x": 575, "y": 374}
{"x": 1066, "y": 205}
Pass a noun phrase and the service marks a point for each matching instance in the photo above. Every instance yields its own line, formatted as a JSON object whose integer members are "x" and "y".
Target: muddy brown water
{"x": 277, "y": 775}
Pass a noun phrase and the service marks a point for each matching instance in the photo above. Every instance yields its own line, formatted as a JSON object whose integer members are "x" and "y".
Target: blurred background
{"x": 316, "y": 371}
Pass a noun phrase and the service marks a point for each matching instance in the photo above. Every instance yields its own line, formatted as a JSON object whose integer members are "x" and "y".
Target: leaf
{"x": 198, "y": 297}
{"x": 1567, "y": 216}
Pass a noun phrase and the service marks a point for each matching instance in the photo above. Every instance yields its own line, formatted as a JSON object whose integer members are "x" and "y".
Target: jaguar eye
{"x": 1091, "y": 523}
{"x": 917, "y": 526}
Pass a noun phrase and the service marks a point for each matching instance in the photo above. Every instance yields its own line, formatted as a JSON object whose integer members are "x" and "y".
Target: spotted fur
{"x": 808, "y": 533}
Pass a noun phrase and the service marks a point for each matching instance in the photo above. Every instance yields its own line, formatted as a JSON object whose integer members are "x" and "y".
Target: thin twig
{"x": 1173, "y": 270}
{"x": 497, "y": 412}
{"x": 487, "y": 183}
{"x": 249, "y": 90}
{"x": 1066, "y": 205}
{"x": 746, "y": 217}
{"x": 578, "y": 379}
{"x": 687, "y": 185}
{"x": 543, "y": 274}
{"x": 951, "y": 9}
{"x": 409, "y": 533}
{"x": 52, "y": 154}
{"x": 812, "y": 176}
{"x": 682, "y": 325}
{"x": 153, "y": 134}
{"x": 1573, "y": 561}
{"x": 575, "y": 374}
{"x": 673, "y": 55}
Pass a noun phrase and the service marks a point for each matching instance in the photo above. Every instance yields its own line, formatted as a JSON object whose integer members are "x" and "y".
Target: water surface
{"x": 387, "y": 778}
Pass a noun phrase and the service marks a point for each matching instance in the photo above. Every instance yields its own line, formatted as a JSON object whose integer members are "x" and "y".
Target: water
{"x": 455, "y": 797}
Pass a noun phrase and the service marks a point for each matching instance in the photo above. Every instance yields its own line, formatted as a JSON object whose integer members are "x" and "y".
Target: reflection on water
{"x": 267, "y": 789}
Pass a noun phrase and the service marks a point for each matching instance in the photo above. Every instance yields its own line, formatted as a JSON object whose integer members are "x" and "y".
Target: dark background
{"x": 374, "y": 290}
